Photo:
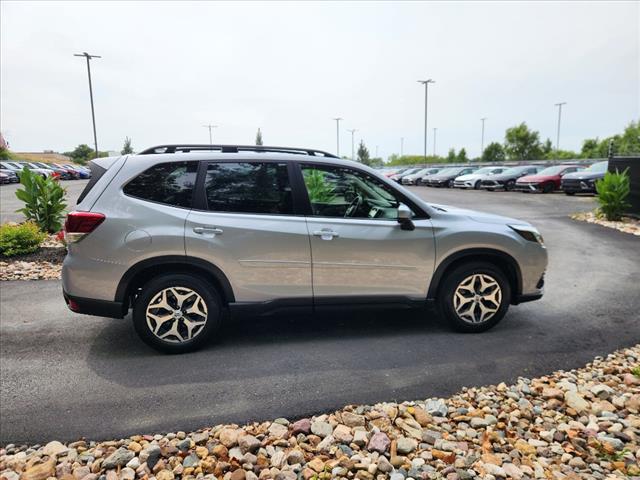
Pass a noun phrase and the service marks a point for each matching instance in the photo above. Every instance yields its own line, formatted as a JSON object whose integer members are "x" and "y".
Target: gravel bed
{"x": 626, "y": 225}
{"x": 44, "y": 264}
{"x": 578, "y": 424}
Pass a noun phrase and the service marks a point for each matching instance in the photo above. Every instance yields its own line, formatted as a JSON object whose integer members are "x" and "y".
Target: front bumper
{"x": 578, "y": 186}
{"x": 527, "y": 187}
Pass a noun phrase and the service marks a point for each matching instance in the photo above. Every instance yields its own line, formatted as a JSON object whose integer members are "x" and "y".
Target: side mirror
{"x": 404, "y": 217}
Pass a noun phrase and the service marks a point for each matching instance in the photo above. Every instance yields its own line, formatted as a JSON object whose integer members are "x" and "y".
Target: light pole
{"x": 93, "y": 115}
{"x": 337, "y": 119}
{"x": 559, "y": 105}
{"x": 353, "y": 151}
{"x": 401, "y": 146}
{"x": 435, "y": 130}
{"x": 426, "y": 95}
{"x": 210, "y": 127}
{"x": 376, "y": 151}
{"x": 482, "y": 140}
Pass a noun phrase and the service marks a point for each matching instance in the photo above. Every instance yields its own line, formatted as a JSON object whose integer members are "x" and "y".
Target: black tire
{"x": 207, "y": 293}
{"x": 548, "y": 188}
{"x": 491, "y": 189}
{"x": 569, "y": 193}
{"x": 509, "y": 185}
{"x": 476, "y": 186}
{"x": 458, "y": 275}
{"x": 450, "y": 184}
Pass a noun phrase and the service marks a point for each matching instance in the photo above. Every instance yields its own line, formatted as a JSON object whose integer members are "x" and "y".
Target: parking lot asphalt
{"x": 64, "y": 375}
{"x": 9, "y": 203}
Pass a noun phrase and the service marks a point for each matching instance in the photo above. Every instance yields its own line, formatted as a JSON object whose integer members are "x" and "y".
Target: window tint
{"x": 249, "y": 187}
{"x": 170, "y": 183}
{"x": 347, "y": 193}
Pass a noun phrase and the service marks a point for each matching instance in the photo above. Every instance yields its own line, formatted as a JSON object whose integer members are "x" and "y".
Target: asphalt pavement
{"x": 64, "y": 376}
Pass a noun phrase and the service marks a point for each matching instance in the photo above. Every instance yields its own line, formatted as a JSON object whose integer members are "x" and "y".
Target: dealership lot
{"x": 65, "y": 375}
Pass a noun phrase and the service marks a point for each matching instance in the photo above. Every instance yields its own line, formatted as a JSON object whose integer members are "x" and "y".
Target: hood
{"x": 538, "y": 178}
{"x": 471, "y": 176}
{"x": 476, "y": 216}
{"x": 584, "y": 175}
{"x": 445, "y": 176}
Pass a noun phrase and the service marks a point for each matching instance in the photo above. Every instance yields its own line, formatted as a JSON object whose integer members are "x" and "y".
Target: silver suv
{"x": 180, "y": 233}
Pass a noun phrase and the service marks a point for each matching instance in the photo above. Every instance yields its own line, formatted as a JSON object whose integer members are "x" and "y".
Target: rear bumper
{"x": 99, "y": 308}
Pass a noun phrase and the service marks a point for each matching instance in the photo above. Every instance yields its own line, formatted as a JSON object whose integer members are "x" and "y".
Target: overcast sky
{"x": 289, "y": 68}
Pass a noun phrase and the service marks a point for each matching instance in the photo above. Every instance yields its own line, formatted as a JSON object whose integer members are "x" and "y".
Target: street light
{"x": 93, "y": 115}
{"x": 426, "y": 95}
{"x": 401, "y": 146}
{"x": 559, "y": 105}
{"x": 482, "y": 141}
{"x": 353, "y": 151}
{"x": 210, "y": 127}
{"x": 435, "y": 129}
{"x": 337, "y": 119}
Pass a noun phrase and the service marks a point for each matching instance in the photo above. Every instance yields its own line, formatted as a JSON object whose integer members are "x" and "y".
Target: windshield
{"x": 515, "y": 170}
{"x": 598, "y": 167}
{"x": 448, "y": 171}
{"x": 553, "y": 170}
{"x": 485, "y": 170}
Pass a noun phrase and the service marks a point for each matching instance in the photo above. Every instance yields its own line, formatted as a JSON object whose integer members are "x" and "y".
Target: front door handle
{"x": 326, "y": 234}
{"x": 207, "y": 230}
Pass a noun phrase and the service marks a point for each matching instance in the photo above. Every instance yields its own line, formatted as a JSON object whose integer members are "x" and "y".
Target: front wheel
{"x": 474, "y": 297}
{"x": 510, "y": 185}
{"x": 476, "y": 186}
{"x": 177, "y": 313}
{"x": 548, "y": 188}
{"x": 569, "y": 193}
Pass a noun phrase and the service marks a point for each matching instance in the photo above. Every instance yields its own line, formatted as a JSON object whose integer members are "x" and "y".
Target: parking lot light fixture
{"x": 210, "y": 127}
{"x": 559, "y": 105}
{"x": 353, "y": 150}
{"x": 337, "y": 119}
{"x": 93, "y": 115}
{"x": 482, "y": 137}
{"x": 435, "y": 131}
{"x": 426, "y": 96}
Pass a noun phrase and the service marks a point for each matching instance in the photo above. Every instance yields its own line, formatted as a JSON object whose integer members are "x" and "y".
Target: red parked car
{"x": 547, "y": 180}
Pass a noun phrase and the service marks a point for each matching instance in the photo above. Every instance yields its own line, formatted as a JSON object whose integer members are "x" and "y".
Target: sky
{"x": 169, "y": 68}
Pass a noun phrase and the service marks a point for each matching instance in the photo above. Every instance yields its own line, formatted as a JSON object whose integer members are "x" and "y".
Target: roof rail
{"x": 233, "y": 149}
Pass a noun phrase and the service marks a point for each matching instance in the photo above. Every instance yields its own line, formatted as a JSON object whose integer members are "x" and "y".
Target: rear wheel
{"x": 474, "y": 297}
{"x": 177, "y": 313}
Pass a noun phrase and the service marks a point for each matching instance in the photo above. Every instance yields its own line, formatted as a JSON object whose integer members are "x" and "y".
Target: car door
{"x": 245, "y": 225}
{"x": 358, "y": 247}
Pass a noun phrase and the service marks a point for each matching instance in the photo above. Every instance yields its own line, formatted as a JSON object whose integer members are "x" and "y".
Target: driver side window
{"x": 347, "y": 193}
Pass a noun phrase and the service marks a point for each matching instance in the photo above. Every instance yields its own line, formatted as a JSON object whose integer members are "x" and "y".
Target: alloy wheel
{"x": 176, "y": 314}
{"x": 477, "y": 298}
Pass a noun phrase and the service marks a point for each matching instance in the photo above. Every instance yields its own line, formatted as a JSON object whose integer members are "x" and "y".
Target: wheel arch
{"x": 143, "y": 271}
{"x": 500, "y": 259}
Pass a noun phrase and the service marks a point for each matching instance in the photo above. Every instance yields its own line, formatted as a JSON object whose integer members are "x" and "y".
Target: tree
{"x": 363, "y": 154}
{"x": 82, "y": 153}
{"x": 451, "y": 156}
{"x": 630, "y": 141}
{"x": 589, "y": 148}
{"x": 126, "y": 149}
{"x": 520, "y": 143}
{"x": 376, "y": 162}
{"x": 493, "y": 153}
{"x": 547, "y": 148}
{"x": 462, "y": 156}
{"x": 259, "y": 137}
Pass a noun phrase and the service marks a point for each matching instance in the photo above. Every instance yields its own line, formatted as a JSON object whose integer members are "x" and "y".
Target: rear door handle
{"x": 207, "y": 230}
{"x": 326, "y": 234}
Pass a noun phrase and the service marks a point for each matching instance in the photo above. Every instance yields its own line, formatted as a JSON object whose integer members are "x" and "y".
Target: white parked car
{"x": 473, "y": 180}
{"x": 414, "y": 178}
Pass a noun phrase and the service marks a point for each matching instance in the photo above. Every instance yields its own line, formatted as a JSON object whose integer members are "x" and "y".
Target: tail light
{"x": 79, "y": 224}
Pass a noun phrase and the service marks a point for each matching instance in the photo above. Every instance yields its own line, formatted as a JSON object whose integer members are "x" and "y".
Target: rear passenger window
{"x": 169, "y": 183}
{"x": 249, "y": 187}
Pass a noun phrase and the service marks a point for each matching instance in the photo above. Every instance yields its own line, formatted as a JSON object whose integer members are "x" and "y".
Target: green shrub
{"x": 43, "y": 199}
{"x": 613, "y": 191}
{"x": 20, "y": 239}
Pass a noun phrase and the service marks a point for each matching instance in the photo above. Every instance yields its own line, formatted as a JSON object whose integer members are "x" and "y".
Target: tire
{"x": 548, "y": 188}
{"x": 459, "y": 280}
{"x": 476, "y": 185}
{"x": 450, "y": 184}
{"x": 491, "y": 189}
{"x": 179, "y": 342}
{"x": 509, "y": 185}
{"x": 569, "y": 193}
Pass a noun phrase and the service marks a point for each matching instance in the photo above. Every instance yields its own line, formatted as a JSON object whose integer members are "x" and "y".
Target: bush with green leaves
{"x": 20, "y": 239}
{"x": 43, "y": 200}
{"x": 319, "y": 190}
{"x": 613, "y": 191}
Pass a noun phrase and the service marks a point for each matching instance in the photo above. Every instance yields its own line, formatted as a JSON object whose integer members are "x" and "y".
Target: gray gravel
{"x": 64, "y": 375}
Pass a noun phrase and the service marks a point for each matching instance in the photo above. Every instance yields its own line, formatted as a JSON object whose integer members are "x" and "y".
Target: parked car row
{"x": 570, "y": 178}
{"x": 9, "y": 171}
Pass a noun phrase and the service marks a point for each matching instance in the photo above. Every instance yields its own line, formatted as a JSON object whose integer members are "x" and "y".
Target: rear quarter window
{"x": 168, "y": 183}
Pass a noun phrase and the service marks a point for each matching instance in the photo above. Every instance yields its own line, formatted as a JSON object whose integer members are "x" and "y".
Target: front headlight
{"x": 528, "y": 233}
